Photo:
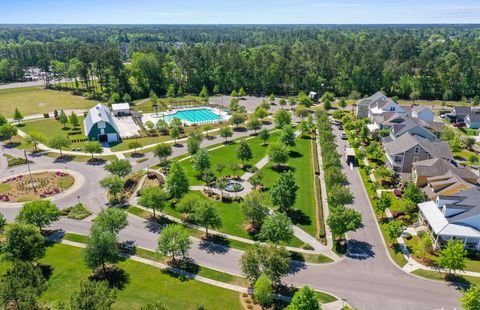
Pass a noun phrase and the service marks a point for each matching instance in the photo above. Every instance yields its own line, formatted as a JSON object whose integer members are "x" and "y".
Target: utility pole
{"x": 29, "y": 171}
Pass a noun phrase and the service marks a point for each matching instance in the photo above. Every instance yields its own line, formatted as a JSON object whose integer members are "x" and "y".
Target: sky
{"x": 239, "y": 12}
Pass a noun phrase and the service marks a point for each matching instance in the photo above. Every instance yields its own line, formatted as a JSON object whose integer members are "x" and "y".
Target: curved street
{"x": 366, "y": 279}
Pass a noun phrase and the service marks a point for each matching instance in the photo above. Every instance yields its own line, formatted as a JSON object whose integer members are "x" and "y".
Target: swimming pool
{"x": 194, "y": 116}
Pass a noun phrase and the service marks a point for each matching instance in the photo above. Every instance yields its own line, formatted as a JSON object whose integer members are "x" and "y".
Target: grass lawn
{"x": 227, "y": 155}
{"x": 463, "y": 155}
{"x": 145, "y": 105}
{"x": 301, "y": 163}
{"x": 145, "y": 284}
{"x": 81, "y": 158}
{"x": 468, "y": 280}
{"x": 437, "y": 103}
{"x": 469, "y": 131}
{"x": 33, "y": 100}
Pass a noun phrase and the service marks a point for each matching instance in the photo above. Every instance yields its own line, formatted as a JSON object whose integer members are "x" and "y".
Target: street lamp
{"x": 29, "y": 171}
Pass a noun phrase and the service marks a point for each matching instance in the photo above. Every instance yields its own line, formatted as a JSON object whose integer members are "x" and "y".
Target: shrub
{"x": 46, "y": 115}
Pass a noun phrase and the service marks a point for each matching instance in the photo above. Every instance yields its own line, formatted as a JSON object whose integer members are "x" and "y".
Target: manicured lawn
{"x": 33, "y": 100}
{"x": 227, "y": 155}
{"x": 145, "y": 284}
{"x": 437, "y": 103}
{"x": 463, "y": 155}
{"x": 301, "y": 163}
{"x": 81, "y": 158}
{"x": 50, "y": 127}
{"x": 469, "y": 131}
{"x": 468, "y": 280}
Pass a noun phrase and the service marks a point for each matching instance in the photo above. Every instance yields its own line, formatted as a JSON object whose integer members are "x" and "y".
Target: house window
{"x": 392, "y": 108}
{"x": 102, "y": 125}
{"x": 417, "y": 150}
{"x": 415, "y": 159}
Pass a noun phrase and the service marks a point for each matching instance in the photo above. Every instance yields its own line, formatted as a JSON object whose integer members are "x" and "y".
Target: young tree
{"x": 17, "y": 116}
{"x": 204, "y": 92}
{"x": 470, "y": 299}
{"x": 162, "y": 126}
{"x": 254, "y": 124}
{"x": 342, "y": 220}
{"x": 171, "y": 91}
{"x": 206, "y": 128}
{"x": 244, "y": 152}
{"x": 93, "y": 295}
{"x": 112, "y": 220}
{"x": 263, "y": 291}
{"x": 278, "y": 154}
{"x": 383, "y": 203}
{"x": 127, "y": 98}
{"x": 282, "y": 118}
{"x": 469, "y": 142}
{"x": 301, "y": 112}
{"x": 93, "y": 147}
{"x": 261, "y": 113}
{"x": 254, "y": 210}
{"x": 153, "y": 99}
{"x": 414, "y": 193}
{"x": 162, "y": 151}
{"x": 206, "y": 215}
{"x": 114, "y": 184}
{"x": 101, "y": 249}
{"x": 287, "y": 136}
{"x": 120, "y": 167}
{"x": 174, "y": 241}
{"x": 238, "y": 118}
{"x": 395, "y": 230}
{"x": 21, "y": 286}
{"x": 177, "y": 182}
{"x": 234, "y": 104}
{"x": 425, "y": 244}
{"x": 234, "y": 94}
{"x": 40, "y": 213}
{"x": 453, "y": 256}
{"x": 193, "y": 144}
{"x": 264, "y": 135}
{"x": 270, "y": 259}
{"x": 304, "y": 299}
{"x": 8, "y": 131}
{"x": 216, "y": 89}
{"x": 241, "y": 92}
{"x": 276, "y": 228}
{"x": 74, "y": 120}
{"x": 226, "y": 132}
{"x": 63, "y": 119}
{"x": 284, "y": 191}
{"x": 23, "y": 242}
{"x": 3, "y": 223}
{"x": 34, "y": 138}
{"x": 342, "y": 103}
{"x": 59, "y": 142}
{"x": 201, "y": 162}
{"x": 134, "y": 145}
{"x": 174, "y": 133}
{"x": 153, "y": 198}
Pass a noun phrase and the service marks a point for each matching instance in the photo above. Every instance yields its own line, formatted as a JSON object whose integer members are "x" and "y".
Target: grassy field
{"x": 301, "y": 163}
{"x": 228, "y": 155}
{"x": 437, "y": 104}
{"x": 33, "y": 100}
{"x": 145, "y": 284}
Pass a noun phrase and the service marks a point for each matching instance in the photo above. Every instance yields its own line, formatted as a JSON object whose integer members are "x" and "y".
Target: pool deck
{"x": 220, "y": 116}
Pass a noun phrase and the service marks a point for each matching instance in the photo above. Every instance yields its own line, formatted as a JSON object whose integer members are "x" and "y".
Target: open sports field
{"x": 35, "y": 100}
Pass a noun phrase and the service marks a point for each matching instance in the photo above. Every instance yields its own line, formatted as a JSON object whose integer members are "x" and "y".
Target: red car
{"x": 459, "y": 125}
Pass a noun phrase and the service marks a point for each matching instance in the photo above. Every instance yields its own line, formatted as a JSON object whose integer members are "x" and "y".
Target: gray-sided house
{"x": 416, "y": 127}
{"x": 454, "y": 217}
{"x": 460, "y": 112}
{"x": 100, "y": 126}
{"x": 402, "y": 152}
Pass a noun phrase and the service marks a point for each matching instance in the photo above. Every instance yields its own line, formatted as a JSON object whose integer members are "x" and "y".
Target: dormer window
{"x": 392, "y": 108}
{"x": 416, "y": 150}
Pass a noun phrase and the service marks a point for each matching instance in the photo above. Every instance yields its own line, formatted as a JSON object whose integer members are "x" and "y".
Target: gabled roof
{"x": 97, "y": 114}
{"x": 439, "y": 166}
{"x": 473, "y": 117}
{"x": 421, "y": 108}
{"x": 462, "y": 110}
{"x": 468, "y": 199}
{"x": 407, "y": 141}
{"x": 373, "y": 98}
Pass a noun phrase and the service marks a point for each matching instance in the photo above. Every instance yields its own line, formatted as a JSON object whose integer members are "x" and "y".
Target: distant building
{"x": 454, "y": 217}
{"x": 472, "y": 120}
{"x": 363, "y": 106}
{"x": 100, "y": 126}
{"x": 313, "y": 95}
{"x": 121, "y": 109}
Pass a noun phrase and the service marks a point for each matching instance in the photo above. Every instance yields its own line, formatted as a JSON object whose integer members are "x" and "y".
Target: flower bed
{"x": 45, "y": 184}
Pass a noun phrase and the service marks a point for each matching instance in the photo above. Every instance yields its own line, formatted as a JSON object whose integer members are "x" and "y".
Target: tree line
{"x": 409, "y": 62}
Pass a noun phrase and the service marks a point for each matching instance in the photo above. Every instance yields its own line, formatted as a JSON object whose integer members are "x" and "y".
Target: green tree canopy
{"x": 244, "y": 152}
{"x": 177, "y": 182}
{"x": 263, "y": 291}
{"x": 93, "y": 295}
{"x": 162, "y": 151}
{"x": 174, "y": 241}
{"x": 284, "y": 191}
{"x": 119, "y": 167}
{"x": 342, "y": 220}
{"x": 23, "y": 242}
{"x": 276, "y": 228}
{"x": 453, "y": 256}
{"x": 153, "y": 198}
{"x": 40, "y": 213}
{"x": 93, "y": 147}
{"x": 304, "y": 299}
{"x": 112, "y": 220}
{"x": 206, "y": 215}
{"x": 282, "y": 118}
{"x": 254, "y": 210}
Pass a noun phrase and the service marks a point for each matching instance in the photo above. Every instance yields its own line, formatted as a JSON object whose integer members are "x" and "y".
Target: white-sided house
{"x": 100, "y": 126}
{"x": 472, "y": 120}
{"x": 378, "y": 108}
{"x": 363, "y": 106}
{"x": 121, "y": 109}
{"x": 423, "y": 113}
{"x": 454, "y": 217}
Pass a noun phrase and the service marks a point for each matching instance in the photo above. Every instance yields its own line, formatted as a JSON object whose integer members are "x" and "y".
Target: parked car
{"x": 397, "y": 193}
{"x": 343, "y": 136}
{"x": 459, "y": 125}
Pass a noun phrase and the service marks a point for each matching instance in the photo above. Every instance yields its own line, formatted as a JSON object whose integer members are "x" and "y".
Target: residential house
{"x": 454, "y": 217}
{"x": 385, "y": 106}
{"x": 363, "y": 106}
{"x": 100, "y": 126}
{"x": 459, "y": 113}
{"x": 472, "y": 120}
{"x": 407, "y": 149}
{"x": 422, "y": 112}
{"x": 401, "y": 125}
{"x": 440, "y": 177}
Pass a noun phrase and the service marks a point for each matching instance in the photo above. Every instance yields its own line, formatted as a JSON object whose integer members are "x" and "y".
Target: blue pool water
{"x": 194, "y": 115}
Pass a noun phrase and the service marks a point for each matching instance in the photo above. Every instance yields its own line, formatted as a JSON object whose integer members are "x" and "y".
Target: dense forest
{"x": 416, "y": 62}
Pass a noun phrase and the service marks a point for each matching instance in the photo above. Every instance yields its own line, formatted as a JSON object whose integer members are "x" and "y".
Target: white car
{"x": 343, "y": 136}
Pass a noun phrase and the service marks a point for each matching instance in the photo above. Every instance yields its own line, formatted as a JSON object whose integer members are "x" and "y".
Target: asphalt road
{"x": 366, "y": 280}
